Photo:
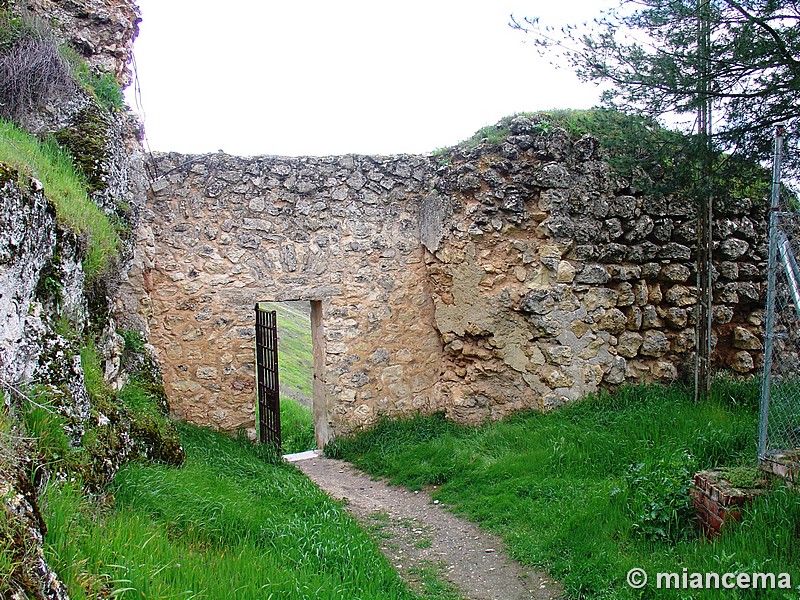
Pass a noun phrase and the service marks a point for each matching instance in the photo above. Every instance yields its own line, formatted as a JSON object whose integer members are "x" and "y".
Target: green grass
{"x": 100, "y": 84}
{"x": 294, "y": 347}
{"x": 230, "y": 524}
{"x": 66, "y": 189}
{"x": 297, "y": 427}
{"x": 296, "y": 371}
{"x": 599, "y": 487}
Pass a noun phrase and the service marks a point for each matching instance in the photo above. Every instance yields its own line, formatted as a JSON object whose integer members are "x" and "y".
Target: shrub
{"x": 658, "y": 497}
{"x": 32, "y": 69}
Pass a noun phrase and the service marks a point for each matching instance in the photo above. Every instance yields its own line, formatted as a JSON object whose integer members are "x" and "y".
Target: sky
{"x": 323, "y": 77}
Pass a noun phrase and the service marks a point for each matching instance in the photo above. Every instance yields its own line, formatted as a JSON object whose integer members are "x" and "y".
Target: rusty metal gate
{"x": 269, "y": 398}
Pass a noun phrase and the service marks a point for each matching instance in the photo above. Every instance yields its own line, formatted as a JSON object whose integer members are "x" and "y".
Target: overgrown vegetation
{"x": 32, "y": 69}
{"x": 36, "y": 67}
{"x": 640, "y": 151}
{"x": 599, "y": 487}
{"x": 103, "y": 86}
{"x": 232, "y": 523}
{"x": 122, "y": 426}
{"x": 66, "y": 189}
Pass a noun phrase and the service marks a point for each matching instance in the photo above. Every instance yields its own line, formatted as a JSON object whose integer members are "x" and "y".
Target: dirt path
{"x": 427, "y": 543}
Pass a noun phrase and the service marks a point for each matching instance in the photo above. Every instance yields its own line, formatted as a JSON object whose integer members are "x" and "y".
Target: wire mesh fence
{"x": 779, "y": 431}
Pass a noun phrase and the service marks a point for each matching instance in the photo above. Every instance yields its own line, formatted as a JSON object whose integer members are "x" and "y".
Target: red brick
{"x": 715, "y": 522}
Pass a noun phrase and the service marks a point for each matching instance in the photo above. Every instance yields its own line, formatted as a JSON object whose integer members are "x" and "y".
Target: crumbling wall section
{"x": 555, "y": 278}
{"x": 519, "y": 275}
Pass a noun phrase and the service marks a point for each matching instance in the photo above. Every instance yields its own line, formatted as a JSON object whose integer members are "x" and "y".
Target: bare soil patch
{"x": 426, "y": 543}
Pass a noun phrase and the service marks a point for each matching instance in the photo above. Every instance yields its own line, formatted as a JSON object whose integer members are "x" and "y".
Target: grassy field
{"x": 230, "y": 524}
{"x": 600, "y": 487}
{"x": 296, "y": 371}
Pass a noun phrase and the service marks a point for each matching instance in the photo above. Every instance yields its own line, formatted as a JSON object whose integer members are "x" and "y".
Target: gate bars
{"x": 269, "y": 408}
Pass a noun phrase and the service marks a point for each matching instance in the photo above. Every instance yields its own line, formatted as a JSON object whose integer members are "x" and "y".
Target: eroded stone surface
{"x": 502, "y": 278}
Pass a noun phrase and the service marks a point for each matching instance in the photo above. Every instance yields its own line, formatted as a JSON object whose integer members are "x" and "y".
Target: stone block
{"x": 558, "y": 355}
{"x": 745, "y": 339}
{"x": 741, "y": 362}
{"x": 556, "y": 378}
{"x": 650, "y": 318}
{"x": 616, "y": 373}
{"x": 733, "y": 248}
{"x": 599, "y": 298}
{"x": 208, "y": 373}
{"x": 613, "y": 321}
{"x": 680, "y": 295}
{"x": 654, "y": 343}
{"x": 628, "y": 344}
{"x": 676, "y": 272}
{"x": 565, "y": 272}
{"x": 676, "y": 317}
{"x": 592, "y": 273}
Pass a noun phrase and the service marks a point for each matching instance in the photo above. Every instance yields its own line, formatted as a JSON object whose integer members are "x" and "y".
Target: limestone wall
{"x": 479, "y": 282}
{"x": 555, "y": 278}
{"x": 344, "y": 231}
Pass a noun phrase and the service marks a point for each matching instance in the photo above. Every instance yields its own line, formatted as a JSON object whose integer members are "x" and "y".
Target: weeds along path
{"x": 430, "y": 547}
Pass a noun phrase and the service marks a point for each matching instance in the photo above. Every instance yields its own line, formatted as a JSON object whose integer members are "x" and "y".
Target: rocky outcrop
{"x": 62, "y": 354}
{"x": 27, "y": 244}
{"x": 102, "y": 31}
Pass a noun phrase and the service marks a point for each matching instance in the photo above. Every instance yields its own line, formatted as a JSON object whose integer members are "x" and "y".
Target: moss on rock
{"x": 87, "y": 140}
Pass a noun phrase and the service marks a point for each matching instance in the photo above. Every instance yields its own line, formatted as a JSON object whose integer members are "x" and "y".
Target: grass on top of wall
{"x": 66, "y": 189}
{"x": 597, "y": 488}
{"x": 231, "y": 524}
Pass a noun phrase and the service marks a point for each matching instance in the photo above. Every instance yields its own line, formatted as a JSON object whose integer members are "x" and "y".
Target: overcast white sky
{"x": 319, "y": 77}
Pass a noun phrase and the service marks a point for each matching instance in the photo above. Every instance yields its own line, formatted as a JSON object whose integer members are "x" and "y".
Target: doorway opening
{"x": 300, "y": 366}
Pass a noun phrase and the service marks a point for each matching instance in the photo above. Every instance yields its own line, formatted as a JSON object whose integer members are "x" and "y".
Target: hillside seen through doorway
{"x": 296, "y": 373}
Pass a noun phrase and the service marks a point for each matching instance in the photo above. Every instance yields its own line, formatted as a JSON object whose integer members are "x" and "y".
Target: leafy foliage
{"x": 649, "y": 51}
{"x": 658, "y": 497}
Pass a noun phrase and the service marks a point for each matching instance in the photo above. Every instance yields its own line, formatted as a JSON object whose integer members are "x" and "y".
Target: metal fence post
{"x": 769, "y": 317}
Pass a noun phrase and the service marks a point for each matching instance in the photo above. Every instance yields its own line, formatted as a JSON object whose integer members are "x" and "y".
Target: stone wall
{"x": 229, "y": 232}
{"x": 555, "y": 278}
{"x": 482, "y": 281}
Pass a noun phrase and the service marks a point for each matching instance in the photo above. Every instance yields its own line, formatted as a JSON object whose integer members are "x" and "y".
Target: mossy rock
{"x": 87, "y": 140}
{"x": 8, "y": 173}
{"x": 157, "y": 439}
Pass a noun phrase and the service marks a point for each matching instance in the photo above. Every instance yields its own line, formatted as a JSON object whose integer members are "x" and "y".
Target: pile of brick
{"x": 717, "y": 502}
